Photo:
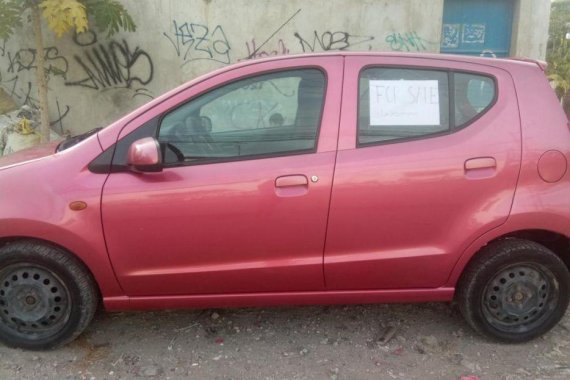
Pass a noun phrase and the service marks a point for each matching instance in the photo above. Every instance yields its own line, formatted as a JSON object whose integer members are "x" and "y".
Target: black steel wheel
{"x": 514, "y": 290}
{"x": 34, "y": 302}
{"x": 47, "y": 297}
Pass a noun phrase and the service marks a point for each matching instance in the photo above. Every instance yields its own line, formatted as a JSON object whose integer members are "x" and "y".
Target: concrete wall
{"x": 94, "y": 80}
{"x": 530, "y": 28}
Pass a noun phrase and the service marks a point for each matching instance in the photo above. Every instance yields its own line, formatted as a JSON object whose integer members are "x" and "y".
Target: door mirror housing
{"x": 144, "y": 156}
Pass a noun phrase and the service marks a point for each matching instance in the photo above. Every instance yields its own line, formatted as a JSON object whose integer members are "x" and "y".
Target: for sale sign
{"x": 404, "y": 102}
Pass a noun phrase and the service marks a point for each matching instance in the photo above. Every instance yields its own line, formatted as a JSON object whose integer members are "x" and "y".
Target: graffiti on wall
{"x": 466, "y": 36}
{"x": 316, "y": 41}
{"x": 113, "y": 64}
{"x": 100, "y": 65}
{"x": 454, "y": 34}
{"x": 473, "y": 33}
{"x": 21, "y": 88}
{"x": 25, "y": 60}
{"x": 254, "y": 52}
{"x": 96, "y": 66}
{"x": 450, "y": 36}
{"x": 406, "y": 42}
{"x": 194, "y": 42}
{"x": 326, "y": 41}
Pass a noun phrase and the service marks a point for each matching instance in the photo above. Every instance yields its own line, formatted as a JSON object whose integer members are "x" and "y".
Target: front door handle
{"x": 291, "y": 180}
{"x": 291, "y": 186}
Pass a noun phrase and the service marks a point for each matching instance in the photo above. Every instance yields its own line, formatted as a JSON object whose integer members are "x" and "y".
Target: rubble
{"x": 19, "y": 129}
{"x": 151, "y": 371}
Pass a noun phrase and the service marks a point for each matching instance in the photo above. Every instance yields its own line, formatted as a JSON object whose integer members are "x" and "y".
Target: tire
{"x": 47, "y": 296}
{"x": 514, "y": 291}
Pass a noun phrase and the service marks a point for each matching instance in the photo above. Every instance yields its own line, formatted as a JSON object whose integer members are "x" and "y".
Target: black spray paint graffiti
{"x": 112, "y": 65}
{"x": 25, "y": 92}
{"x": 326, "y": 41}
{"x": 253, "y": 53}
{"x": 194, "y": 42}
{"x": 23, "y": 61}
{"x": 409, "y": 41}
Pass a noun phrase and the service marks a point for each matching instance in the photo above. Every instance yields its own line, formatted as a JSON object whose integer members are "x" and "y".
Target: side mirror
{"x": 144, "y": 156}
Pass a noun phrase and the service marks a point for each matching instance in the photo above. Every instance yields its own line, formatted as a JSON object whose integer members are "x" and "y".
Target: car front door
{"x": 242, "y": 202}
{"x": 415, "y": 183}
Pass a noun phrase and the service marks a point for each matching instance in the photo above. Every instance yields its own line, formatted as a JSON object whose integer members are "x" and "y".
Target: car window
{"x": 473, "y": 95}
{"x": 396, "y": 104}
{"x": 271, "y": 114}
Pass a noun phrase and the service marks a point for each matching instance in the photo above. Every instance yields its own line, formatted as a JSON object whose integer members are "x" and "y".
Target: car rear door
{"x": 246, "y": 210}
{"x": 415, "y": 183}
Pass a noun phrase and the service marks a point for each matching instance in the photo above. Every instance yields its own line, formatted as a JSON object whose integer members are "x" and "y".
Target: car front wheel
{"x": 514, "y": 290}
{"x": 47, "y": 296}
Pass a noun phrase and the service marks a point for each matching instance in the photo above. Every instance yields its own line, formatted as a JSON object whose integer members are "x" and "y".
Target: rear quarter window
{"x": 473, "y": 95}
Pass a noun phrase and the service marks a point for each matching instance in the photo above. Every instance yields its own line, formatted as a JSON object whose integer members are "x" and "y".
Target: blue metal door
{"x": 477, "y": 27}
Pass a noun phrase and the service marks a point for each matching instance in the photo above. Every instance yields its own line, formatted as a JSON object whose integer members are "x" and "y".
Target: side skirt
{"x": 279, "y": 299}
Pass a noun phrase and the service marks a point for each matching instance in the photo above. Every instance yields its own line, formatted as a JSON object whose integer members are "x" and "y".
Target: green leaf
{"x": 558, "y": 48}
{"x": 110, "y": 16}
{"x": 10, "y": 17}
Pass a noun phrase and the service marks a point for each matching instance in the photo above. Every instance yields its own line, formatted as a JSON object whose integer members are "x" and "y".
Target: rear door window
{"x": 398, "y": 104}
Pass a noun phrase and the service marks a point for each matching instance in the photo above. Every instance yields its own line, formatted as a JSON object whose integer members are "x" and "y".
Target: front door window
{"x": 268, "y": 115}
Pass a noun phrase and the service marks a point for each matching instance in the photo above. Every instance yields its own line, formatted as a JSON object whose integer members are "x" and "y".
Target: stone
{"x": 179, "y": 371}
{"x": 428, "y": 344}
{"x": 473, "y": 367}
{"x": 430, "y": 341}
{"x": 151, "y": 371}
{"x": 456, "y": 358}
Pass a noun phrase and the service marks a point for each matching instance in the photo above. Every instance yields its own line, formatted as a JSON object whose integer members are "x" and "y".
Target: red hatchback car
{"x": 316, "y": 179}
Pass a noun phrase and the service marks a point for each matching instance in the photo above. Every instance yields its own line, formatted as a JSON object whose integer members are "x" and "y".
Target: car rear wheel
{"x": 514, "y": 290}
{"x": 47, "y": 296}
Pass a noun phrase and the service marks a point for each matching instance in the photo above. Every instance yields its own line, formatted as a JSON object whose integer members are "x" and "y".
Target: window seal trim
{"x": 220, "y": 160}
{"x": 452, "y": 127}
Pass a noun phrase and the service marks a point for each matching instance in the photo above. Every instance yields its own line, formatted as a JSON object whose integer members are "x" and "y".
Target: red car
{"x": 316, "y": 179}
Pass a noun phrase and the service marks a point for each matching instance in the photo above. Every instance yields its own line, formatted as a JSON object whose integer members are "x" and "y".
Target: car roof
{"x": 490, "y": 61}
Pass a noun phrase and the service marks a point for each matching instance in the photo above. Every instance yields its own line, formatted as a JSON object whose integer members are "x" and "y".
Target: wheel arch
{"x": 4, "y": 241}
{"x": 95, "y": 262}
{"x": 555, "y": 241}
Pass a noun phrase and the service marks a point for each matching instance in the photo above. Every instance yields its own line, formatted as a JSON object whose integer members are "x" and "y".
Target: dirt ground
{"x": 426, "y": 341}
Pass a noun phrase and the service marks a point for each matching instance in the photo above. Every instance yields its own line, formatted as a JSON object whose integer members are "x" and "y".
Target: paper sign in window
{"x": 404, "y": 102}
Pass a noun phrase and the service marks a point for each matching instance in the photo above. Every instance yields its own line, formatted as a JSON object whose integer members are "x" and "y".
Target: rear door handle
{"x": 480, "y": 168}
{"x": 291, "y": 180}
{"x": 480, "y": 163}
